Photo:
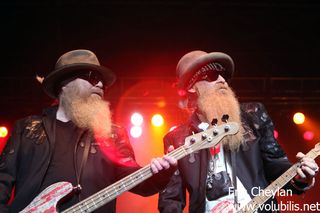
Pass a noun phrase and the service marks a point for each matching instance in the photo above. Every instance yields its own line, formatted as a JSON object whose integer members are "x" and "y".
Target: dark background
{"x": 275, "y": 46}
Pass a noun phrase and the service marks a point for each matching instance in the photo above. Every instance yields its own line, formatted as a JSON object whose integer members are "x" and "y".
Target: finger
{"x": 308, "y": 172}
{"x": 307, "y": 159}
{"x": 300, "y": 155}
{"x": 154, "y": 168}
{"x": 158, "y": 164}
{"x": 300, "y": 173}
{"x": 165, "y": 164}
{"x": 172, "y": 161}
{"x": 170, "y": 149}
{"x": 311, "y": 164}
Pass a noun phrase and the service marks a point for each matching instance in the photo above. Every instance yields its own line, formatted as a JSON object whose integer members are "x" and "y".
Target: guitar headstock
{"x": 317, "y": 148}
{"x": 211, "y": 137}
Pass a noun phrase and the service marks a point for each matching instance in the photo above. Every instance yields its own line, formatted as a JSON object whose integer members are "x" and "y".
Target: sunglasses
{"x": 92, "y": 77}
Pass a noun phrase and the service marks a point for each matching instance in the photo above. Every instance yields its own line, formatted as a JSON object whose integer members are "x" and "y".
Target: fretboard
{"x": 114, "y": 190}
{"x": 274, "y": 187}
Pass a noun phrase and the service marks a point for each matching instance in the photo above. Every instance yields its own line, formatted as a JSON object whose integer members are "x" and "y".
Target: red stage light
{"x": 308, "y": 135}
{"x": 182, "y": 92}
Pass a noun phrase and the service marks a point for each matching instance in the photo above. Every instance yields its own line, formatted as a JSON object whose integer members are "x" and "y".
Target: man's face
{"x": 80, "y": 88}
{"x": 83, "y": 104}
{"x": 219, "y": 85}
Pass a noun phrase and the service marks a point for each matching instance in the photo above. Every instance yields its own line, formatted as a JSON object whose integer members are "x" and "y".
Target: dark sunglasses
{"x": 92, "y": 77}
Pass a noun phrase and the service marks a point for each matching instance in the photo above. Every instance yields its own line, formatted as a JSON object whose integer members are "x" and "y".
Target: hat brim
{"x": 219, "y": 57}
{"x": 50, "y": 83}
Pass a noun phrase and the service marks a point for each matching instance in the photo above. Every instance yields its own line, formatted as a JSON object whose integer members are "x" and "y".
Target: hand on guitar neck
{"x": 306, "y": 172}
{"x": 165, "y": 162}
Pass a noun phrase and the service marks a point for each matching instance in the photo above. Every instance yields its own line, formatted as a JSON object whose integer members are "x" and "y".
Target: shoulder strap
{"x": 234, "y": 179}
{"x": 85, "y": 154}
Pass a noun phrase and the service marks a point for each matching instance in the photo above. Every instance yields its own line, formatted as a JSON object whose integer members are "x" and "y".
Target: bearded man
{"x": 251, "y": 159}
{"x": 74, "y": 141}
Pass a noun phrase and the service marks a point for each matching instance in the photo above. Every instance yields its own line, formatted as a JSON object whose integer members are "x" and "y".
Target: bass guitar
{"x": 48, "y": 199}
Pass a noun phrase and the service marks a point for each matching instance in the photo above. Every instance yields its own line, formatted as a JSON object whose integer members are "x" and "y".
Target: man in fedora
{"x": 74, "y": 141}
{"x": 245, "y": 162}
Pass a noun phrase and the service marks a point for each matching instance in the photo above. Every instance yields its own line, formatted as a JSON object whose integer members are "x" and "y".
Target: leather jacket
{"x": 27, "y": 155}
{"x": 259, "y": 160}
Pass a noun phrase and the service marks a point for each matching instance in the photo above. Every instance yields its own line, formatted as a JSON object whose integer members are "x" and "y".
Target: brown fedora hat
{"x": 71, "y": 63}
{"x": 197, "y": 61}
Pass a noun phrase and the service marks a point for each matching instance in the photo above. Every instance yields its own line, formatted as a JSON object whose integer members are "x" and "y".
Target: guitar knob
{"x": 192, "y": 140}
{"x": 226, "y": 128}
{"x": 204, "y": 136}
{"x": 215, "y": 132}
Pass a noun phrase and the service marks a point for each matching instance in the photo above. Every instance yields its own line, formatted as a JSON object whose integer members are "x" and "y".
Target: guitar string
{"x": 290, "y": 173}
{"x": 178, "y": 153}
{"x": 141, "y": 172}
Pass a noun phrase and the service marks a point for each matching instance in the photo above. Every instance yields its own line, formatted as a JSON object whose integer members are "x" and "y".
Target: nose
{"x": 221, "y": 79}
{"x": 100, "y": 85}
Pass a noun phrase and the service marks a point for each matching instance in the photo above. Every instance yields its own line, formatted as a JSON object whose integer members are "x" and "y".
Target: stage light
{"x": 3, "y": 132}
{"x": 298, "y": 118}
{"x": 136, "y": 131}
{"x": 182, "y": 92}
{"x": 157, "y": 120}
{"x": 308, "y": 135}
{"x": 275, "y": 134}
{"x": 136, "y": 119}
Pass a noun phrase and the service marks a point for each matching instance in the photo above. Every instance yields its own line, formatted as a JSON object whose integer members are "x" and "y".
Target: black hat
{"x": 196, "y": 62}
{"x": 71, "y": 63}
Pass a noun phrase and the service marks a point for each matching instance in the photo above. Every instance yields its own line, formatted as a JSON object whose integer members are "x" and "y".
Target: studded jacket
{"x": 26, "y": 157}
{"x": 259, "y": 161}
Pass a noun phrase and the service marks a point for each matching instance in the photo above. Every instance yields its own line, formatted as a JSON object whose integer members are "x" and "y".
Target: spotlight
{"x": 157, "y": 120}
{"x": 3, "y": 132}
{"x": 298, "y": 118}
{"x": 308, "y": 135}
{"x": 136, "y": 131}
{"x": 136, "y": 119}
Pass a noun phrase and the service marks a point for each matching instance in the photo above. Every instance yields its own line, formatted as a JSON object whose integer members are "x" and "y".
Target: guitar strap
{"x": 85, "y": 154}
{"x": 234, "y": 179}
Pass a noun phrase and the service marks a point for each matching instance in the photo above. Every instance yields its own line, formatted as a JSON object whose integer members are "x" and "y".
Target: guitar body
{"x": 46, "y": 201}
{"x": 224, "y": 207}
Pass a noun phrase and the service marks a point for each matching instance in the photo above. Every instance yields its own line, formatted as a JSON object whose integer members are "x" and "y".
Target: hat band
{"x": 209, "y": 71}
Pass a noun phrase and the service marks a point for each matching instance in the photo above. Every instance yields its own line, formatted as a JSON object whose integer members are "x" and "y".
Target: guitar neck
{"x": 274, "y": 187}
{"x": 111, "y": 192}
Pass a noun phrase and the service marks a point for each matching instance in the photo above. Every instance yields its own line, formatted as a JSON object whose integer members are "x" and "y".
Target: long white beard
{"x": 213, "y": 102}
{"x": 89, "y": 112}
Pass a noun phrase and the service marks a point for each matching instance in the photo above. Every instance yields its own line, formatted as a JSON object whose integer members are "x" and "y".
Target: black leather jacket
{"x": 259, "y": 161}
{"x": 25, "y": 159}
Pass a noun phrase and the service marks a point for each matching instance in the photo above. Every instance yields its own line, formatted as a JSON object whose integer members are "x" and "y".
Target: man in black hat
{"x": 246, "y": 162}
{"x": 74, "y": 141}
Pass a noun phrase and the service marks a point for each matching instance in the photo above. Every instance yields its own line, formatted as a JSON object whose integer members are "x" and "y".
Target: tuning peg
{"x": 214, "y": 122}
{"x": 225, "y": 118}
